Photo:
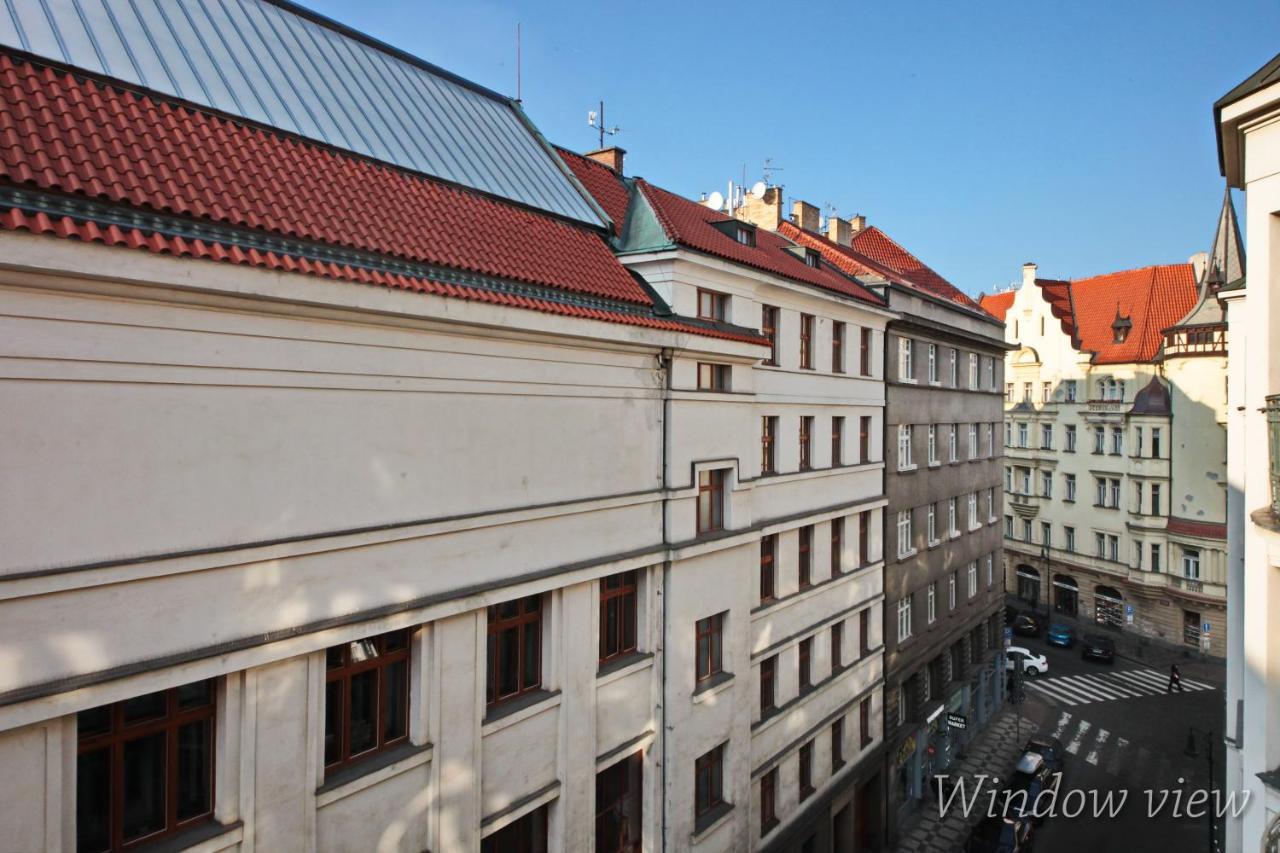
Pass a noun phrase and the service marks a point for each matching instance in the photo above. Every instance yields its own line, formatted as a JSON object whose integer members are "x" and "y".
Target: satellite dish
{"x": 715, "y": 201}
{"x": 759, "y": 188}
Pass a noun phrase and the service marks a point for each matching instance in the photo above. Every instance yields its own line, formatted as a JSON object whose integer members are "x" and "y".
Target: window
{"x": 1099, "y": 440}
{"x": 837, "y": 347}
{"x": 991, "y": 504}
{"x": 931, "y": 604}
{"x": 1046, "y": 533}
{"x": 1117, "y": 441}
{"x": 973, "y": 578}
{"x": 1071, "y": 487}
{"x": 1046, "y": 392}
{"x": 973, "y": 372}
{"x": 1008, "y": 392}
{"x": 768, "y": 445}
{"x": 768, "y": 801}
{"x": 1046, "y": 484}
{"x": 806, "y": 442}
{"x": 806, "y": 556}
{"x": 1137, "y": 552}
{"x": 1008, "y": 433}
{"x": 864, "y": 538}
{"x": 1026, "y": 530}
{"x": 991, "y": 372}
{"x": 1137, "y": 441}
{"x": 1155, "y": 498}
{"x": 1024, "y": 480}
{"x": 709, "y": 648}
{"x": 708, "y": 785}
{"x": 711, "y": 500}
{"x": 1070, "y": 386}
{"x": 713, "y": 377}
{"x": 1155, "y": 442}
{"x": 1046, "y": 436}
{"x": 367, "y": 696}
{"x": 768, "y": 550}
{"x": 903, "y": 698}
{"x": 712, "y": 305}
{"x": 768, "y": 685}
{"x": 973, "y": 441}
{"x": 806, "y": 341}
{"x": 864, "y": 723}
{"x": 1026, "y": 392}
{"x": 1190, "y": 563}
{"x": 1155, "y": 557}
{"x": 955, "y": 369}
{"x": 1071, "y": 438}
{"x": 812, "y": 259}
{"x": 906, "y": 372}
{"x": 864, "y": 439}
{"x": 1114, "y": 493}
{"x": 932, "y": 524}
{"x": 953, "y": 441}
{"x": 904, "y": 533}
{"x": 951, "y": 591}
{"x": 769, "y": 329}
{"x": 1100, "y": 544}
{"x": 991, "y": 576}
{"x": 514, "y": 649}
{"x": 864, "y": 632}
{"x": 973, "y": 510}
{"x": 1137, "y": 495}
{"x": 837, "y": 546}
{"x": 904, "y": 618}
{"x": 837, "y": 646}
{"x": 619, "y": 806}
{"x": 1100, "y": 491}
{"x": 952, "y": 521}
{"x": 989, "y": 439}
{"x": 805, "y": 666}
{"x": 1022, "y": 435}
{"x": 837, "y": 744}
{"x": 806, "y": 770}
{"x": 904, "y": 447}
{"x": 745, "y": 236}
{"x": 933, "y": 444}
{"x": 1069, "y": 534}
{"x": 618, "y": 596}
{"x": 933, "y": 364}
{"x": 864, "y": 353}
{"x": 144, "y": 766}
{"x": 837, "y": 441}
{"x": 526, "y": 835}
{"x": 1113, "y": 548}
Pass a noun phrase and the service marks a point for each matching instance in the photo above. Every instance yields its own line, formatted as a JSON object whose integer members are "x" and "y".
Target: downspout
{"x": 664, "y": 364}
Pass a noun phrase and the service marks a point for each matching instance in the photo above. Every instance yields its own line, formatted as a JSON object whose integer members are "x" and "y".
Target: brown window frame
{"x": 708, "y": 662}
{"x": 769, "y": 445}
{"x": 526, "y": 834}
{"x": 804, "y": 666}
{"x": 344, "y": 669}
{"x": 864, "y": 633}
{"x": 118, "y": 733}
{"x": 711, "y": 481}
{"x": 619, "y": 592}
{"x": 768, "y": 685}
{"x": 864, "y": 439}
{"x": 806, "y": 771}
{"x": 864, "y": 723}
{"x": 864, "y": 538}
{"x": 837, "y": 347}
{"x": 837, "y": 547}
{"x": 804, "y": 552}
{"x": 806, "y": 442}
{"x": 864, "y": 353}
{"x": 768, "y": 801}
{"x": 806, "y": 341}
{"x": 837, "y": 441}
{"x": 526, "y": 615}
{"x": 769, "y": 329}
{"x": 714, "y": 377}
{"x": 708, "y": 782}
{"x": 719, "y": 305}
{"x": 768, "y": 567}
{"x": 837, "y": 744}
{"x": 616, "y": 809}
{"x": 837, "y": 646}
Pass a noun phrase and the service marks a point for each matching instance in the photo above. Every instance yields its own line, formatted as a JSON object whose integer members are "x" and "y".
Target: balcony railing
{"x": 1273, "y": 439}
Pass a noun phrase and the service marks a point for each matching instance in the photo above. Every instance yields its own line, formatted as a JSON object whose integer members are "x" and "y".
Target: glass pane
{"x": 395, "y": 690}
{"x": 362, "y": 650}
{"x": 396, "y": 640}
{"x": 93, "y": 801}
{"x": 610, "y": 627}
{"x": 196, "y": 695}
{"x": 194, "y": 770}
{"x": 95, "y": 721}
{"x": 508, "y": 662}
{"x": 532, "y": 669}
{"x": 334, "y": 657}
{"x": 332, "y": 722}
{"x": 628, "y": 617}
{"x": 493, "y": 667}
{"x": 144, "y": 786}
{"x": 532, "y": 604}
{"x": 508, "y": 609}
{"x": 704, "y": 654}
{"x": 364, "y": 711}
{"x": 147, "y": 707}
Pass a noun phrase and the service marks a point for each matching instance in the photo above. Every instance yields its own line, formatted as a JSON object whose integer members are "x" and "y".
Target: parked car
{"x": 1032, "y": 775}
{"x": 1010, "y": 613}
{"x": 1061, "y": 635}
{"x": 997, "y": 834}
{"x": 1048, "y": 748}
{"x": 1026, "y": 625}
{"x": 1032, "y": 664}
{"x": 1097, "y": 647}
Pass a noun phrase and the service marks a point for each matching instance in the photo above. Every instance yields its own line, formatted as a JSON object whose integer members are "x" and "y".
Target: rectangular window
{"x": 864, "y": 633}
{"x": 904, "y": 618}
{"x": 837, "y": 347}
{"x": 806, "y": 770}
{"x": 526, "y": 835}
{"x": 709, "y": 646}
{"x": 1137, "y": 495}
{"x": 864, "y": 538}
{"x": 1026, "y": 392}
{"x": 951, "y": 592}
{"x": 974, "y": 521}
{"x": 933, "y": 444}
{"x": 1026, "y": 530}
{"x": 988, "y": 439}
{"x": 837, "y": 646}
{"x": 973, "y": 578}
{"x": 904, "y": 533}
{"x": 769, "y": 329}
{"x": 1071, "y": 438}
{"x": 1117, "y": 441}
{"x": 1046, "y": 436}
{"x": 864, "y": 723}
{"x": 991, "y": 504}
{"x": 1070, "y": 534}
{"x": 768, "y": 582}
{"x": 1155, "y": 557}
{"x": 1022, "y": 435}
{"x": 1114, "y": 492}
{"x": 708, "y": 785}
{"x": 933, "y": 364}
{"x": 973, "y": 441}
{"x": 806, "y": 556}
{"x": 618, "y": 596}
{"x": 713, "y": 377}
{"x": 1008, "y": 434}
{"x": 1191, "y": 563}
{"x": 864, "y": 353}
{"x": 906, "y": 371}
{"x": 806, "y": 341}
{"x": 1155, "y": 498}
{"x": 768, "y": 801}
{"x": 991, "y": 576}
{"x": 864, "y": 439}
{"x": 1100, "y": 544}
{"x": 1008, "y": 392}
{"x": 1100, "y": 491}
{"x": 955, "y": 369}
{"x": 1046, "y": 533}
{"x": 1137, "y": 441}
{"x": 991, "y": 372}
{"x": 931, "y": 603}
{"x": 1113, "y": 548}
{"x": 806, "y": 663}
{"x": 904, "y": 447}
{"x": 837, "y": 744}
{"x": 1137, "y": 552}
{"x": 837, "y": 546}
{"x": 931, "y": 515}
{"x": 366, "y": 706}
{"x": 1046, "y": 484}
{"x": 837, "y": 441}
{"x": 1155, "y": 442}
{"x": 619, "y": 806}
{"x": 806, "y": 442}
{"x": 1071, "y": 390}
{"x": 954, "y": 441}
{"x": 514, "y": 649}
{"x": 768, "y": 445}
{"x": 711, "y": 500}
{"x": 1099, "y": 440}
{"x": 768, "y": 682}
{"x": 1071, "y": 487}
{"x": 144, "y": 766}
{"x": 973, "y": 372}
{"x": 1008, "y": 526}
{"x": 712, "y": 305}
{"x": 953, "y": 520}
{"x": 1046, "y": 392}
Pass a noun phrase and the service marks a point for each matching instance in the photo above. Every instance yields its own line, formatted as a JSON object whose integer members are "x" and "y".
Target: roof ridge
{"x": 1134, "y": 269}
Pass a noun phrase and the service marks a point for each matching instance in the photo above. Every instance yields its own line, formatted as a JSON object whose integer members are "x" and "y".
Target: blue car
{"x": 1061, "y": 635}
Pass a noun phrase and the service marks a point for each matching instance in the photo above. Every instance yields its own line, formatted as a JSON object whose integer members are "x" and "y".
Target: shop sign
{"x": 957, "y": 721}
{"x": 907, "y": 749}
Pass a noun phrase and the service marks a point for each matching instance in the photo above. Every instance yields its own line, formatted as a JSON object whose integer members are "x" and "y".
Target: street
{"x": 1122, "y": 731}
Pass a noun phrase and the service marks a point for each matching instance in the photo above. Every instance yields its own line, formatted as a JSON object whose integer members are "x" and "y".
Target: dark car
{"x": 997, "y": 834}
{"x": 1010, "y": 613}
{"x": 1032, "y": 775}
{"x": 1097, "y": 647}
{"x": 1048, "y": 748}
{"x": 1026, "y": 625}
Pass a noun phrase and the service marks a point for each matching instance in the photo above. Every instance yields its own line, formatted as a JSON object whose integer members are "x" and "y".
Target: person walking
{"x": 1175, "y": 678}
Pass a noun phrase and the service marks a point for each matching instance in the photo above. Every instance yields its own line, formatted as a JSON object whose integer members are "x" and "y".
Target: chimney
{"x": 804, "y": 215}
{"x": 1028, "y": 274}
{"x": 611, "y": 157}
{"x": 1198, "y": 262}
{"x": 839, "y": 231}
{"x": 857, "y": 223}
{"x": 764, "y": 212}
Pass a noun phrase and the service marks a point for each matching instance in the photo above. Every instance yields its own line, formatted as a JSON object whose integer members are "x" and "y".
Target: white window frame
{"x": 1046, "y": 484}
{"x": 1024, "y": 434}
{"x": 931, "y": 600}
{"x": 951, "y": 591}
{"x": 906, "y": 369}
{"x": 991, "y": 505}
{"x": 973, "y": 441}
{"x": 933, "y": 364}
{"x": 1191, "y": 563}
{"x": 904, "y": 533}
{"x": 932, "y": 524}
{"x": 955, "y": 443}
{"x": 974, "y": 523}
{"x": 904, "y": 619}
{"x": 973, "y": 578}
{"x": 1046, "y": 436}
{"x": 1070, "y": 486}
{"x": 905, "y": 462}
{"x": 1071, "y": 438}
{"x": 991, "y": 571}
{"x": 953, "y": 510}
{"x": 1071, "y": 390}
{"x": 955, "y": 368}
{"x": 1069, "y": 537}
{"x": 973, "y": 371}
{"x": 933, "y": 444}
{"x": 991, "y": 372}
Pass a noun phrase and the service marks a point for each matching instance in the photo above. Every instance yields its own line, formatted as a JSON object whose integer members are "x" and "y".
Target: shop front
{"x": 1066, "y": 595}
{"x": 1108, "y": 606}
{"x": 1028, "y": 584}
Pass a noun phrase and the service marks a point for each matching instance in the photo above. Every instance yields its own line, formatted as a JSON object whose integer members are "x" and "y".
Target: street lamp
{"x": 1192, "y": 752}
{"x": 1048, "y": 579}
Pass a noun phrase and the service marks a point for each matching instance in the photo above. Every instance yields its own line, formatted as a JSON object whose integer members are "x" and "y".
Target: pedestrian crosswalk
{"x": 1118, "y": 757}
{"x": 1108, "y": 686}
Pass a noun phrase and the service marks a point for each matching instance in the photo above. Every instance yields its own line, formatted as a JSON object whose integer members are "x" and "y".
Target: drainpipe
{"x": 664, "y": 365}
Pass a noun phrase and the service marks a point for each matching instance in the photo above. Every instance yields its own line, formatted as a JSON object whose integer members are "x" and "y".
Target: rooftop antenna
{"x": 596, "y": 120}
{"x": 769, "y": 169}
{"x": 517, "y": 62}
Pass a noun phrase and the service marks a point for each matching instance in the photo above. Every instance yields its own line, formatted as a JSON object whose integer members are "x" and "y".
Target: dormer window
{"x": 1120, "y": 327}
{"x": 745, "y": 236}
{"x": 736, "y": 230}
{"x": 812, "y": 259}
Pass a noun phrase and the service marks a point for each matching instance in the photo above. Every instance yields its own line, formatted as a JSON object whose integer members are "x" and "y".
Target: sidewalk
{"x": 994, "y": 753}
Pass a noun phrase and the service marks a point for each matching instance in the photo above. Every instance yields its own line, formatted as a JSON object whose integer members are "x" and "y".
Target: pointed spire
{"x": 1226, "y": 257}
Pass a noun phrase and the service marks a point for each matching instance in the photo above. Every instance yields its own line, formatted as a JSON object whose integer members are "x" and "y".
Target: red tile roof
{"x": 844, "y": 258}
{"x": 690, "y": 224}
{"x": 69, "y": 134}
{"x": 882, "y": 249}
{"x": 1153, "y": 298}
{"x": 604, "y": 184}
{"x": 1058, "y": 294}
{"x": 998, "y": 304}
{"x": 1201, "y": 529}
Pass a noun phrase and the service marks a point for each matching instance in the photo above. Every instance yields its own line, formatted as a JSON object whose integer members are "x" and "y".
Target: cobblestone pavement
{"x": 992, "y": 752}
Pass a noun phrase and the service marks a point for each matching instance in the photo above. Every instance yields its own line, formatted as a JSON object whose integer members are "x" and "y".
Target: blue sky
{"x": 980, "y": 135}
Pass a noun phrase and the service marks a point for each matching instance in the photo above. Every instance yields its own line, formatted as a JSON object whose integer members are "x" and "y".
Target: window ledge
{"x": 906, "y": 555}
{"x": 934, "y": 463}
{"x": 710, "y": 822}
{"x": 521, "y": 708}
{"x": 376, "y": 768}
{"x": 621, "y": 667}
{"x": 207, "y": 837}
{"x": 954, "y": 534}
{"x": 712, "y": 686}
{"x": 902, "y": 469}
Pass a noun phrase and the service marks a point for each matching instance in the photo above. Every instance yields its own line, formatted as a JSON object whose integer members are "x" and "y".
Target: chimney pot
{"x": 805, "y": 215}
{"x": 611, "y": 157}
{"x": 839, "y": 231}
{"x": 764, "y": 212}
{"x": 1029, "y": 273}
{"x": 857, "y": 223}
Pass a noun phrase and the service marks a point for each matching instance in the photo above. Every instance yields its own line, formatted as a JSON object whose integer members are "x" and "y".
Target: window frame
{"x": 806, "y": 442}
{"x": 769, "y": 329}
{"x": 708, "y": 782}
{"x": 768, "y": 685}
{"x": 804, "y": 556}
{"x": 344, "y": 672}
{"x": 837, "y": 346}
{"x": 769, "y": 444}
{"x": 805, "y": 776}
{"x": 837, "y": 441}
{"x": 719, "y": 305}
{"x": 710, "y": 628}
{"x": 714, "y": 377}
{"x": 710, "y": 517}
{"x": 837, "y": 546}
{"x": 806, "y": 341}
{"x": 627, "y": 590}
{"x": 768, "y": 567}
{"x": 864, "y": 353}
{"x": 496, "y": 623}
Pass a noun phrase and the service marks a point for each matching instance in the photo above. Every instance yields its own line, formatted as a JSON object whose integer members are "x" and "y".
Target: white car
{"x": 1032, "y": 664}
